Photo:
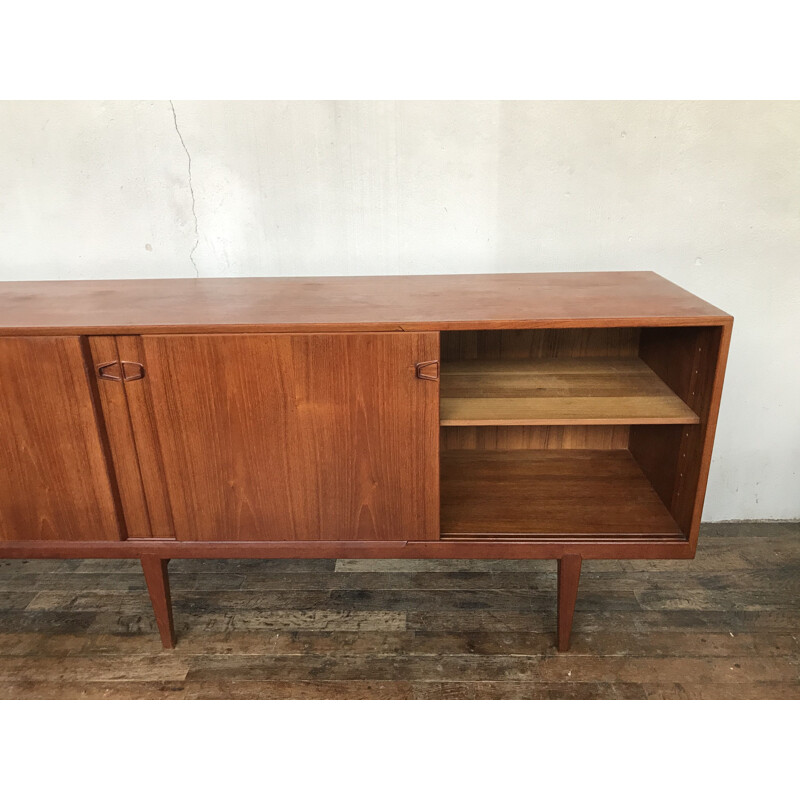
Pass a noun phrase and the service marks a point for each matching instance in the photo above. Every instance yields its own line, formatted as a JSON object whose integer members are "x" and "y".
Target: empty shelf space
{"x": 565, "y": 493}
{"x": 558, "y": 391}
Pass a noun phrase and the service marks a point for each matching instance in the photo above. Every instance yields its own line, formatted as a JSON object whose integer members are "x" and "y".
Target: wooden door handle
{"x": 120, "y": 371}
{"x": 109, "y": 371}
{"x": 132, "y": 371}
{"x": 427, "y": 370}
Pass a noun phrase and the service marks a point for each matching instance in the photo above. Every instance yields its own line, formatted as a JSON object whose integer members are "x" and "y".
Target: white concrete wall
{"x": 706, "y": 194}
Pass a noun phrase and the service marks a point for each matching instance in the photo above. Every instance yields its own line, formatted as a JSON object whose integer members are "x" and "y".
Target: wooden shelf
{"x": 558, "y": 391}
{"x": 501, "y": 494}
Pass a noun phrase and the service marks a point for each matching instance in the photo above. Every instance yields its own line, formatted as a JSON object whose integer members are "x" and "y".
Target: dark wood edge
{"x": 711, "y": 429}
{"x": 505, "y": 550}
{"x": 430, "y": 326}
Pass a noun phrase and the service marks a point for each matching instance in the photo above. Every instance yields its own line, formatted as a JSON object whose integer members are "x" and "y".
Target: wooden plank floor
{"x": 726, "y": 625}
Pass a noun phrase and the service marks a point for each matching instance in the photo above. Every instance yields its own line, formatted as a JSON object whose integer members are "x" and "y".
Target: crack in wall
{"x": 191, "y": 191}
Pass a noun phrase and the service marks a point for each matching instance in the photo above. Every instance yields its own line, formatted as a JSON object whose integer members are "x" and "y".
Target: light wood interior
{"x": 558, "y": 391}
{"x": 539, "y": 343}
{"x": 530, "y": 437}
{"x": 523, "y": 493}
{"x": 566, "y": 433}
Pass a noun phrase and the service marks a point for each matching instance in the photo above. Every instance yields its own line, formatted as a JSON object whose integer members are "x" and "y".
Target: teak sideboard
{"x": 552, "y": 415}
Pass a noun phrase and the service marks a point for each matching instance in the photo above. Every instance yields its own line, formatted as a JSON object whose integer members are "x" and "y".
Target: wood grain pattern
{"x": 122, "y": 445}
{"x": 157, "y": 578}
{"x": 54, "y": 478}
{"x": 569, "y": 573}
{"x": 705, "y": 390}
{"x": 541, "y": 437}
{"x": 527, "y": 344}
{"x": 139, "y": 397}
{"x": 554, "y": 492}
{"x": 692, "y": 362}
{"x": 558, "y": 391}
{"x": 496, "y": 546}
{"x": 296, "y": 437}
{"x": 656, "y": 449}
{"x": 415, "y": 302}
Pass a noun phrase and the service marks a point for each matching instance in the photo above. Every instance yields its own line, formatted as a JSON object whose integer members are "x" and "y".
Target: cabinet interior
{"x": 579, "y": 433}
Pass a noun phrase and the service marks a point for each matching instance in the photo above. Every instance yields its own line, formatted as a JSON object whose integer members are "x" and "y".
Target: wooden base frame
{"x": 543, "y": 547}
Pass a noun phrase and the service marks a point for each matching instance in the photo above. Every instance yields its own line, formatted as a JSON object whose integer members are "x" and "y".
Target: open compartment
{"x": 589, "y": 433}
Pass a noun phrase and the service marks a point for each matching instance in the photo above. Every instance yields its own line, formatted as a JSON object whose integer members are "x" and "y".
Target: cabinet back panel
{"x": 541, "y": 343}
{"x": 535, "y": 437}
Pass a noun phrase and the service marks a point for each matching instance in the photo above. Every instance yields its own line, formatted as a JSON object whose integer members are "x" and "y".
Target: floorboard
{"x": 724, "y": 626}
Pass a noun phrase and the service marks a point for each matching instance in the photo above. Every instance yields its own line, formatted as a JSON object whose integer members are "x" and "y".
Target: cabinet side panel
{"x": 54, "y": 478}
{"x": 705, "y": 395}
{"x": 691, "y": 361}
{"x": 297, "y": 437}
{"x": 657, "y": 450}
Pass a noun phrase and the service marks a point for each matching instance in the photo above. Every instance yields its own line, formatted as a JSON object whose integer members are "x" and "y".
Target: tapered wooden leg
{"x": 157, "y": 577}
{"x": 569, "y": 573}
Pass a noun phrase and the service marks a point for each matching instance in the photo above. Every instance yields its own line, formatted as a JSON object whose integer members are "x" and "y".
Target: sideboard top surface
{"x": 380, "y": 303}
